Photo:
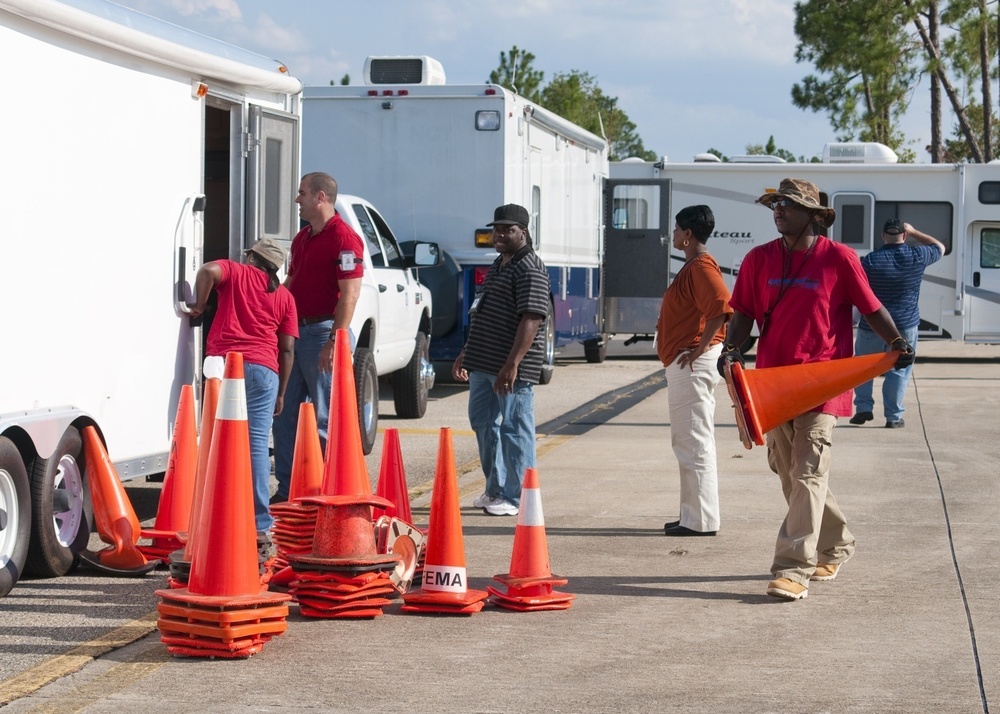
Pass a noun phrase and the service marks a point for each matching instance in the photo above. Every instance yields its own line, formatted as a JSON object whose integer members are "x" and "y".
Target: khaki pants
{"x": 814, "y": 529}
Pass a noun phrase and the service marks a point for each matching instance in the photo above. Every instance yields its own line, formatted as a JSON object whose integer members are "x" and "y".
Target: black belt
{"x": 314, "y": 320}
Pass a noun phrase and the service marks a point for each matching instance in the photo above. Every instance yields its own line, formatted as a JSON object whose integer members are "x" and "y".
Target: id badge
{"x": 475, "y": 304}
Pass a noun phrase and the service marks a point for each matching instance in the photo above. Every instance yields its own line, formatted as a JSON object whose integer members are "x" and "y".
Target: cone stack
{"x": 294, "y": 520}
{"x": 530, "y": 582}
{"x": 344, "y": 576}
{"x": 180, "y": 560}
{"x": 444, "y": 584}
{"x": 114, "y": 516}
{"x": 764, "y": 398}
{"x": 173, "y": 513}
{"x": 224, "y": 612}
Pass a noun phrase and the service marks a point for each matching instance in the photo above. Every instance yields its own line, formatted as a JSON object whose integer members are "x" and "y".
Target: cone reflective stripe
{"x": 530, "y": 581}
{"x": 444, "y": 582}
{"x": 766, "y": 397}
{"x": 114, "y": 516}
{"x": 307, "y": 460}
{"x": 224, "y": 559}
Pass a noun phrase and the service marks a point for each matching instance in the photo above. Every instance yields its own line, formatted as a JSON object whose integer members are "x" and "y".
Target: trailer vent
{"x": 858, "y": 152}
{"x": 403, "y": 70}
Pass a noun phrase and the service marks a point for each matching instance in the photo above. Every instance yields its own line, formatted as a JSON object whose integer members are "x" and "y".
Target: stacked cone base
{"x": 293, "y": 530}
{"x": 163, "y": 544}
{"x": 341, "y": 594}
{"x": 531, "y": 594}
{"x": 209, "y": 626}
{"x": 447, "y": 603}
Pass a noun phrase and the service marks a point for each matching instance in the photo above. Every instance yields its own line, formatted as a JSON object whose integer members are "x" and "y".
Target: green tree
{"x": 864, "y": 62}
{"x": 770, "y": 149}
{"x": 517, "y": 74}
{"x": 345, "y": 80}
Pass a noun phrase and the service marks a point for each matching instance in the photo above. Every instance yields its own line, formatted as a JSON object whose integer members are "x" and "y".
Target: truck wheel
{"x": 595, "y": 350}
{"x": 60, "y": 509}
{"x": 366, "y": 383}
{"x": 411, "y": 384}
{"x": 549, "y": 355}
{"x": 15, "y": 515}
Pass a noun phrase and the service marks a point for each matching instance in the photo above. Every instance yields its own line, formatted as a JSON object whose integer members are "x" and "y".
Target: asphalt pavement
{"x": 910, "y": 624}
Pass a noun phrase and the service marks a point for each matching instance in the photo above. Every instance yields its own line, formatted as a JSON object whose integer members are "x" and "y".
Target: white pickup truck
{"x": 392, "y": 320}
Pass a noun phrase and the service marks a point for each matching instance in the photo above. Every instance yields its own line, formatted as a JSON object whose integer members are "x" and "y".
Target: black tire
{"x": 15, "y": 515}
{"x": 366, "y": 384}
{"x": 594, "y": 351}
{"x": 549, "y": 348}
{"x": 61, "y": 511}
{"x": 409, "y": 385}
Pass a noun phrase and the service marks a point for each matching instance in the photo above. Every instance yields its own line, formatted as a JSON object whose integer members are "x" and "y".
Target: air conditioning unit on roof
{"x": 858, "y": 152}
{"x": 403, "y": 70}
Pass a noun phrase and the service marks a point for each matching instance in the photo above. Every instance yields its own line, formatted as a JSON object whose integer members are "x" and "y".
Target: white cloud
{"x": 210, "y": 10}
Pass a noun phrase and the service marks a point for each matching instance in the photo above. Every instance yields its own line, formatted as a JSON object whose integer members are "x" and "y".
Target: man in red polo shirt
{"x": 324, "y": 277}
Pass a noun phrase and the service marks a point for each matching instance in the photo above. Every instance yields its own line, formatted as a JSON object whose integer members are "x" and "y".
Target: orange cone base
{"x": 283, "y": 576}
{"x": 521, "y": 607}
{"x": 523, "y": 583}
{"x": 222, "y": 616}
{"x": 746, "y": 423}
{"x": 356, "y": 565}
{"x": 222, "y": 632}
{"x": 262, "y": 598}
{"x": 444, "y": 598}
{"x": 293, "y": 509}
{"x": 347, "y": 500}
{"x": 204, "y": 647}
{"x": 359, "y": 614}
{"x": 444, "y": 609}
{"x": 126, "y": 562}
{"x": 539, "y": 595}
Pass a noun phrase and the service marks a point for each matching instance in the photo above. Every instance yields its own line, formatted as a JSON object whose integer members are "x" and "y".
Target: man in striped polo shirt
{"x": 502, "y": 360}
{"x": 894, "y": 272}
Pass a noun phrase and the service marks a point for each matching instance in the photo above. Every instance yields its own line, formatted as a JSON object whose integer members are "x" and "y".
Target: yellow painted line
{"x": 430, "y": 432}
{"x": 74, "y": 659}
{"x": 114, "y": 680}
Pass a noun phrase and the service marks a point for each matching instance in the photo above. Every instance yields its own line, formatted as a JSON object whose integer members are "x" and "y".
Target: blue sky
{"x": 691, "y": 75}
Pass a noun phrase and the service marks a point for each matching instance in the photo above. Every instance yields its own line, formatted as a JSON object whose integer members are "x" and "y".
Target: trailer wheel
{"x": 60, "y": 509}
{"x": 594, "y": 351}
{"x": 549, "y": 355}
{"x": 411, "y": 384}
{"x": 15, "y": 515}
{"x": 366, "y": 383}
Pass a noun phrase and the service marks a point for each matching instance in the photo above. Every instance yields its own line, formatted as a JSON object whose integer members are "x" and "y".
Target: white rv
{"x": 959, "y": 204}
{"x": 137, "y": 150}
{"x": 438, "y": 159}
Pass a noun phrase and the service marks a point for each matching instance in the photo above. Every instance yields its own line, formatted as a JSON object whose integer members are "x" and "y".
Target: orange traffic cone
{"x": 344, "y": 575}
{"x": 443, "y": 586}
{"x": 392, "y": 479}
{"x": 180, "y": 560}
{"x": 177, "y": 494}
{"x": 529, "y": 582}
{"x": 224, "y": 611}
{"x": 114, "y": 516}
{"x": 295, "y": 522}
{"x": 765, "y": 398}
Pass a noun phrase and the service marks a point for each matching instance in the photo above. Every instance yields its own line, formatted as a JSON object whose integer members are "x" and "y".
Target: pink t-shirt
{"x": 249, "y": 319}
{"x": 812, "y": 320}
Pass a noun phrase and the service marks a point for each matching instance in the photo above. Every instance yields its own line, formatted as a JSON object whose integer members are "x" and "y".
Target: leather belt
{"x": 314, "y": 320}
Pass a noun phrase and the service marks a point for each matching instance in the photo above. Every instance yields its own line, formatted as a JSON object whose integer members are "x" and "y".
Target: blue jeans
{"x": 894, "y": 381}
{"x": 505, "y": 430}
{"x": 261, "y": 385}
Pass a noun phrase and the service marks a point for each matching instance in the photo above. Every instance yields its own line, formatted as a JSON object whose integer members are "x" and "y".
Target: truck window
{"x": 393, "y": 257}
{"x": 371, "y": 238}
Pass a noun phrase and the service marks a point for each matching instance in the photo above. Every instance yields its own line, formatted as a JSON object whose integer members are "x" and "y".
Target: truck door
{"x": 636, "y": 266}
{"x": 982, "y": 285}
{"x": 272, "y": 177}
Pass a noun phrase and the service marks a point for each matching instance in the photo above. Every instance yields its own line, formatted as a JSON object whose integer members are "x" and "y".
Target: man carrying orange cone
{"x": 801, "y": 289}
{"x": 444, "y": 584}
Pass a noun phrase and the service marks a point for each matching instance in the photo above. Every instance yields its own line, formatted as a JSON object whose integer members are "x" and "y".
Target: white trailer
{"x": 437, "y": 159}
{"x": 136, "y": 151}
{"x": 959, "y": 204}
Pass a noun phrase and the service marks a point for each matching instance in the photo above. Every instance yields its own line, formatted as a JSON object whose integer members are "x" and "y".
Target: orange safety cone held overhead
{"x": 180, "y": 561}
{"x": 529, "y": 582}
{"x": 114, "y": 516}
{"x": 444, "y": 585}
{"x": 224, "y": 611}
{"x": 177, "y": 495}
{"x": 764, "y": 398}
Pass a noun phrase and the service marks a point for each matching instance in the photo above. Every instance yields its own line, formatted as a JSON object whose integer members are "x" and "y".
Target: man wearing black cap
{"x": 801, "y": 290}
{"x": 895, "y": 272}
{"x": 502, "y": 360}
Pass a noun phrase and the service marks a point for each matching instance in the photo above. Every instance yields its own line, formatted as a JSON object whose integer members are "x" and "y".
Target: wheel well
{"x": 367, "y": 337}
{"x": 425, "y": 323}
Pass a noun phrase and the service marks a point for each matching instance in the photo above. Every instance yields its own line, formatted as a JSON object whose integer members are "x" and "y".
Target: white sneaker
{"x": 500, "y": 507}
{"x": 483, "y": 501}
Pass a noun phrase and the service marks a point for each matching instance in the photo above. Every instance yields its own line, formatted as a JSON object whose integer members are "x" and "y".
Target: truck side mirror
{"x": 426, "y": 255}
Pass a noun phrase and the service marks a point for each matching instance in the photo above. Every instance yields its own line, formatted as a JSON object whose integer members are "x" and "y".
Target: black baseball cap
{"x": 509, "y": 215}
{"x": 893, "y": 227}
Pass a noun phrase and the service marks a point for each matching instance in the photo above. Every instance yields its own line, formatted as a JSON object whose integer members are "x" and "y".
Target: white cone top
{"x": 232, "y": 401}
{"x": 530, "y": 510}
